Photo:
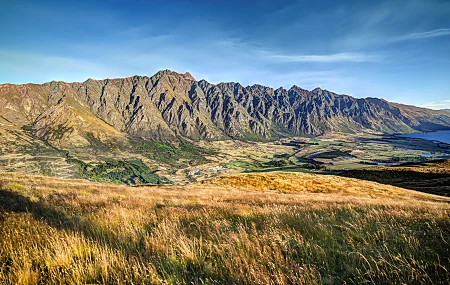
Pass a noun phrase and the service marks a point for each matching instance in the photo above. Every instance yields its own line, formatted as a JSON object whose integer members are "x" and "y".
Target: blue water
{"x": 442, "y": 136}
{"x": 427, "y": 154}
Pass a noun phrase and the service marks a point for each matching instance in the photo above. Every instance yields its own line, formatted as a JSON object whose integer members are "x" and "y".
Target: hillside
{"x": 168, "y": 106}
{"x": 277, "y": 182}
{"x": 71, "y": 231}
{"x": 428, "y": 177}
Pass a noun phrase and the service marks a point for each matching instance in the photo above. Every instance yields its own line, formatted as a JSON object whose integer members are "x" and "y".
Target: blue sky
{"x": 397, "y": 50}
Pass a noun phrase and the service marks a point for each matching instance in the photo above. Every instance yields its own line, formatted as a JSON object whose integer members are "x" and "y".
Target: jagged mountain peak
{"x": 320, "y": 91}
{"x": 168, "y": 72}
{"x": 298, "y": 89}
{"x": 188, "y": 76}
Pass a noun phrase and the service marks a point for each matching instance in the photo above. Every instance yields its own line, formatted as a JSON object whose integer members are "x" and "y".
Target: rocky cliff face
{"x": 170, "y": 105}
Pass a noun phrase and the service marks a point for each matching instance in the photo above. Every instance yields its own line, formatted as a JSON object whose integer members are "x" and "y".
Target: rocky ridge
{"x": 169, "y": 106}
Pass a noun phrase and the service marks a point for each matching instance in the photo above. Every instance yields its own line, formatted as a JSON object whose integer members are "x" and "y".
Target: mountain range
{"x": 169, "y": 106}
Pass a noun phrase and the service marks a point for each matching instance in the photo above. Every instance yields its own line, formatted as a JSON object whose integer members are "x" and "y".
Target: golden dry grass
{"x": 289, "y": 182}
{"x": 58, "y": 231}
{"x": 428, "y": 177}
{"x": 441, "y": 167}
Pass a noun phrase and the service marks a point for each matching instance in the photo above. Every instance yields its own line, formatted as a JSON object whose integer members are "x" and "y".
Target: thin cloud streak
{"x": 444, "y": 104}
{"x": 337, "y": 57}
{"x": 271, "y": 55}
{"x": 424, "y": 35}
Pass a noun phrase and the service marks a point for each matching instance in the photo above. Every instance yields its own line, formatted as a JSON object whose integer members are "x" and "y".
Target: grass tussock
{"x": 74, "y": 232}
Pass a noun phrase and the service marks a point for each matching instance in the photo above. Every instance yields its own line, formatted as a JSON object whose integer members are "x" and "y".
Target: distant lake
{"x": 442, "y": 136}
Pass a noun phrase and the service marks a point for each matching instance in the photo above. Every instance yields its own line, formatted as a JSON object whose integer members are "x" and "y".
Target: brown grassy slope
{"x": 75, "y": 232}
{"x": 428, "y": 177}
{"x": 289, "y": 182}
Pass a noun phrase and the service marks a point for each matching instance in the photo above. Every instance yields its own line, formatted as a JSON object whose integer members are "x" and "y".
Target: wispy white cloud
{"x": 337, "y": 57}
{"x": 444, "y": 104}
{"x": 264, "y": 54}
{"x": 423, "y": 35}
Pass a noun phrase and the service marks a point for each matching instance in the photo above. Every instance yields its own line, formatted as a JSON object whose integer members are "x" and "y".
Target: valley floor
{"x": 277, "y": 228}
{"x": 148, "y": 162}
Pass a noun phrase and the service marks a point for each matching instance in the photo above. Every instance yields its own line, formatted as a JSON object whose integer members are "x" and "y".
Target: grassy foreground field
{"x": 284, "y": 228}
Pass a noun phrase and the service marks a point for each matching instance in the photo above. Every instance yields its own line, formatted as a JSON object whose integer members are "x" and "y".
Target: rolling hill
{"x": 428, "y": 177}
